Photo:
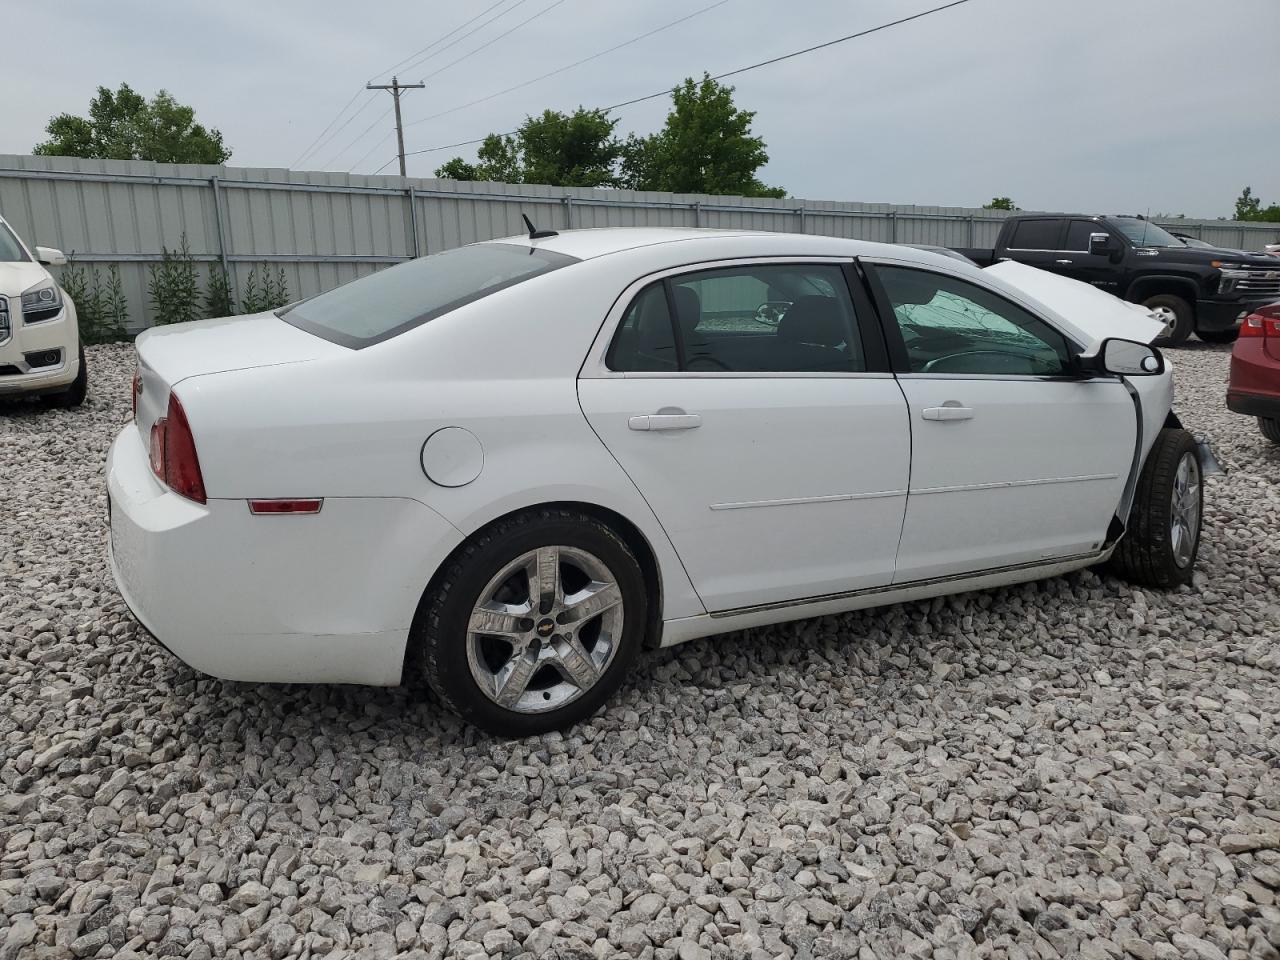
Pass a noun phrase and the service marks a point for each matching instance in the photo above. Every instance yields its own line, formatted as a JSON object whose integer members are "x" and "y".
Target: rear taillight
{"x": 172, "y": 452}
{"x": 1263, "y": 322}
{"x": 137, "y": 389}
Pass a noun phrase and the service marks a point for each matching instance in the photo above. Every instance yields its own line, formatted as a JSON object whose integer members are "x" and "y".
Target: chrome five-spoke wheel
{"x": 545, "y": 629}
{"x": 534, "y": 621}
{"x": 1184, "y": 511}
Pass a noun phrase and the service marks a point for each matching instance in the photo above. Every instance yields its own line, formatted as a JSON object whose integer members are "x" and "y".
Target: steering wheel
{"x": 770, "y": 312}
{"x": 712, "y": 361}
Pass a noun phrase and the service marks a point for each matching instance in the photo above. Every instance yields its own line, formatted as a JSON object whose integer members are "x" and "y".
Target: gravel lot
{"x": 1071, "y": 768}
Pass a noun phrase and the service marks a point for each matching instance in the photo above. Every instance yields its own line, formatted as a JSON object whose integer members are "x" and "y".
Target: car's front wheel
{"x": 534, "y": 622}
{"x": 1162, "y": 539}
{"x": 74, "y": 395}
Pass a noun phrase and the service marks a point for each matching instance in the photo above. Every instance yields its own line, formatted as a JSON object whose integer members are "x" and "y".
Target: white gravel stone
{"x": 1076, "y": 766}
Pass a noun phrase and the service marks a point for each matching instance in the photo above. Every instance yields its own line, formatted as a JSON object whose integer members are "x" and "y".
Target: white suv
{"x": 40, "y": 351}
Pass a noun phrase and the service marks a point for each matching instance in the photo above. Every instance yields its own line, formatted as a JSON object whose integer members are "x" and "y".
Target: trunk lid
{"x": 168, "y": 355}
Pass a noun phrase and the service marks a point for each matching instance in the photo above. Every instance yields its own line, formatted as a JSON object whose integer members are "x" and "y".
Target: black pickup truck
{"x": 1193, "y": 289}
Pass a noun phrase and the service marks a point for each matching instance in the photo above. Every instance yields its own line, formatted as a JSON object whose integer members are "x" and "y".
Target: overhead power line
{"x": 729, "y": 73}
{"x": 416, "y": 59}
{"x": 570, "y": 66}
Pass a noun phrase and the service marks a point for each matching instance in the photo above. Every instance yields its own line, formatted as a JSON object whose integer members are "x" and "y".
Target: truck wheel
{"x": 1162, "y": 540}
{"x": 1218, "y": 336}
{"x": 1176, "y": 315}
{"x": 1270, "y": 428}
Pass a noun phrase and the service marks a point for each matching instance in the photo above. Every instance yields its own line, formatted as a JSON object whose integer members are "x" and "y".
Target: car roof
{"x": 595, "y": 242}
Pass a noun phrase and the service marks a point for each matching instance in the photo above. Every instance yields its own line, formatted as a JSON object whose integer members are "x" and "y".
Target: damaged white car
{"x": 40, "y": 352}
{"x": 513, "y": 465}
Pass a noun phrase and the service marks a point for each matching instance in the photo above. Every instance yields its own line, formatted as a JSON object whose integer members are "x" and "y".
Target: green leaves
{"x": 122, "y": 125}
{"x": 706, "y": 146}
{"x": 173, "y": 289}
{"x": 101, "y": 309}
{"x": 1249, "y": 207}
{"x": 264, "y": 289}
{"x": 1000, "y": 203}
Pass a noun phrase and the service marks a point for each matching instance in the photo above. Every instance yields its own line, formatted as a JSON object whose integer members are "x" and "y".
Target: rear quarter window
{"x": 1036, "y": 235}
{"x": 386, "y": 304}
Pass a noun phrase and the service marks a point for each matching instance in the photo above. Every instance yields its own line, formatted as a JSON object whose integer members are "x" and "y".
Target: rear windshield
{"x": 386, "y": 304}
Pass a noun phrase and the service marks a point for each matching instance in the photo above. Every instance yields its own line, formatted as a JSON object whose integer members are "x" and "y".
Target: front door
{"x": 743, "y": 404}
{"x": 1015, "y": 459}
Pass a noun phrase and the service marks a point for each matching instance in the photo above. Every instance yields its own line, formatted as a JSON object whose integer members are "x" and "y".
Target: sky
{"x": 1096, "y": 106}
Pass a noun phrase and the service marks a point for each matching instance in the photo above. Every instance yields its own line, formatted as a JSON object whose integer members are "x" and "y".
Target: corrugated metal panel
{"x": 323, "y": 229}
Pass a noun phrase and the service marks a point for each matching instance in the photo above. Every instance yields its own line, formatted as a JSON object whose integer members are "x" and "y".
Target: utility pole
{"x": 395, "y": 86}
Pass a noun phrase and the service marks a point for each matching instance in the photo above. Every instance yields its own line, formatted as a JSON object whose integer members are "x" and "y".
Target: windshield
{"x": 10, "y": 249}
{"x": 386, "y": 304}
{"x": 1144, "y": 233}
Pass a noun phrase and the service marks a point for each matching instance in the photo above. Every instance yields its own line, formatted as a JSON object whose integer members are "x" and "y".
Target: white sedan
{"x": 513, "y": 465}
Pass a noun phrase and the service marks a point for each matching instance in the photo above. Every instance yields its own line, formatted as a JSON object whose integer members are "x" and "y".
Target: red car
{"x": 1253, "y": 387}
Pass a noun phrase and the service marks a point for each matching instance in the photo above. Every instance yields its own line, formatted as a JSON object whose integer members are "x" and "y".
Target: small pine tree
{"x": 115, "y": 307}
{"x": 173, "y": 288}
{"x": 217, "y": 294}
{"x": 254, "y": 298}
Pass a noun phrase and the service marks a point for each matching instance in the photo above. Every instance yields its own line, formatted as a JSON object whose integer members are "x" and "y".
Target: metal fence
{"x": 323, "y": 229}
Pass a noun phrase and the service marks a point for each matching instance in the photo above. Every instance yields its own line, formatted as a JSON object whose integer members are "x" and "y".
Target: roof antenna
{"x": 534, "y": 232}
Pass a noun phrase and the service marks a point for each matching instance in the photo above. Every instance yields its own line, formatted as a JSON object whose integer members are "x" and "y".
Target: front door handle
{"x": 948, "y": 411}
{"x": 665, "y": 421}
{"x": 1065, "y": 263}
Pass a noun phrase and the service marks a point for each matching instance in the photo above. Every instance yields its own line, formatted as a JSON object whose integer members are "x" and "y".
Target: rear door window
{"x": 1078, "y": 233}
{"x": 386, "y": 304}
{"x": 1038, "y": 234}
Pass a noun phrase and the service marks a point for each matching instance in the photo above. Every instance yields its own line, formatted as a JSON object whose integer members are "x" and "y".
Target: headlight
{"x": 41, "y": 302}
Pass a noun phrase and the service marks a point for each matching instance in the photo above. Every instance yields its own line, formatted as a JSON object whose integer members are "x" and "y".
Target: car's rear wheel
{"x": 1270, "y": 428}
{"x": 74, "y": 395}
{"x": 1176, "y": 315}
{"x": 1218, "y": 336}
{"x": 1162, "y": 541}
{"x": 533, "y": 623}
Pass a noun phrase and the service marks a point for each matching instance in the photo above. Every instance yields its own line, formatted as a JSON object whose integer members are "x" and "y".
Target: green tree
{"x": 1249, "y": 207}
{"x": 173, "y": 288}
{"x": 562, "y": 150}
{"x": 217, "y": 293}
{"x": 123, "y": 125}
{"x": 1000, "y": 203}
{"x": 705, "y": 146}
{"x": 101, "y": 312}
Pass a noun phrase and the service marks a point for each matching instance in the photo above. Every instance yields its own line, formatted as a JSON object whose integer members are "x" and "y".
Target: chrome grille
{"x": 1259, "y": 282}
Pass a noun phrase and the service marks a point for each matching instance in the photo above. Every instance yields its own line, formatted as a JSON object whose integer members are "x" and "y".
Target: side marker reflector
{"x": 261, "y": 507}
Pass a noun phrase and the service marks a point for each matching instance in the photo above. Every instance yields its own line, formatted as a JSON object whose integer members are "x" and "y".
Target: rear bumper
{"x": 283, "y": 599}
{"x": 1254, "y": 405}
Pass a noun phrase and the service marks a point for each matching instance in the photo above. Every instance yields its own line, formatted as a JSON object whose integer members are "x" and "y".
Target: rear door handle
{"x": 1065, "y": 262}
{"x": 949, "y": 411}
{"x": 665, "y": 421}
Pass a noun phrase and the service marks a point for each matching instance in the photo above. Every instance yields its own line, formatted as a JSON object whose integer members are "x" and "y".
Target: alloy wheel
{"x": 545, "y": 629}
{"x": 1184, "y": 512}
{"x": 1166, "y": 316}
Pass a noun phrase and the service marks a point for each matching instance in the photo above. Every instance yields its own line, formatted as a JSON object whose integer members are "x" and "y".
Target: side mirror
{"x": 1127, "y": 358}
{"x": 51, "y": 256}
{"x": 1100, "y": 244}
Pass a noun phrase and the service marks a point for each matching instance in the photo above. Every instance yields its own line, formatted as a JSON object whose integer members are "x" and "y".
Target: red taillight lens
{"x": 1263, "y": 322}
{"x": 137, "y": 388}
{"x": 181, "y": 464}
{"x": 268, "y": 507}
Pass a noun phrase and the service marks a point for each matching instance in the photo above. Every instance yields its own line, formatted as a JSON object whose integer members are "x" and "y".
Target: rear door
{"x": 752, "y": 405}
{"x": 1037, "y": 242}
{"x": 1015, "y": 458}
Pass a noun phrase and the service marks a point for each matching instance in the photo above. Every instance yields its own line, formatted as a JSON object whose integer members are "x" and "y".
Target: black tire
{"x": 1270, "y": 428}
{"x": 1218, "y": 336}
{"x": 1146, "y": 553}
{"x": 74, "y": 395}
{"x": 1184, "y": 318}
{"x": 440, "y": 633}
